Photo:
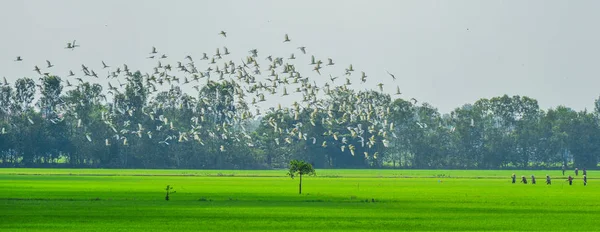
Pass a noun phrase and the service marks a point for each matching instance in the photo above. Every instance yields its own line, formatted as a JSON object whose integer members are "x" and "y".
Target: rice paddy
{"x": 268, "y": 200}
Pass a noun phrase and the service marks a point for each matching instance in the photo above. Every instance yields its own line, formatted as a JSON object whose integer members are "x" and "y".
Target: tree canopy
{"x": 300, "y": 168}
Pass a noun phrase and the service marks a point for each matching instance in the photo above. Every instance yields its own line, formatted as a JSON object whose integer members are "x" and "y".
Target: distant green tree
{"x": 404, "y": 117}
{"x": 6, "y": 97}
{"x": 584, "y": 140}
{"x": 300, "y": 168}
{"x": 24, "y": 94}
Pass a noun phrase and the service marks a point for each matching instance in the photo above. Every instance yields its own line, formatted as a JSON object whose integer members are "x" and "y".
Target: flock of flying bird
{"x": 364, "y": 118}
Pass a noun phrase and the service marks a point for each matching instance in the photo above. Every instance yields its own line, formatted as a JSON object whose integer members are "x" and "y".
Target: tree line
{"x": 39, "y": 130}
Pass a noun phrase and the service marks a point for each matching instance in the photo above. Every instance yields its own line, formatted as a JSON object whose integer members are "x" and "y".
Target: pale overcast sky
{"x": 447, "y": 53}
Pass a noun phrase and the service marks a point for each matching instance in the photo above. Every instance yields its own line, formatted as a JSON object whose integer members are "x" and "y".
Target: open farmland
{"x": 299, "y": 116}
{"x": 360, "y": 200}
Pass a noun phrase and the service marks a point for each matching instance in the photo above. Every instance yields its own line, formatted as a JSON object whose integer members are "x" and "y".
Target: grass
{"x": 346, "y": 173}
{"x": 336, "y": 200}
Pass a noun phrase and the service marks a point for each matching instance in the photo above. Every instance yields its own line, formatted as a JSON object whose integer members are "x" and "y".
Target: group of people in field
{"x": 549, "y": 181}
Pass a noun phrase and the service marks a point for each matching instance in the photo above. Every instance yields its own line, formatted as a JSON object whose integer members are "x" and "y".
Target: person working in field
{"x": 576, "y": 171}
{"x": 548, "y": 181}
{"x": 563, "y": 169}
{"x": 584, "y": 180}
{"x": 514, "y": 178}
{"x": 570, "y": 180}
{"x": 532, "y": 179}
{"x": 523, "y": 180}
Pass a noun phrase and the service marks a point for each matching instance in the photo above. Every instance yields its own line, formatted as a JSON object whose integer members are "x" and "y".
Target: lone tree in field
{"x": 300, "y": 168}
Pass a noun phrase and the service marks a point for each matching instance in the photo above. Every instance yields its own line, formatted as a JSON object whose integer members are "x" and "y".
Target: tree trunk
{"x": 269, "y": 161}
{"x": 300, "y": 186}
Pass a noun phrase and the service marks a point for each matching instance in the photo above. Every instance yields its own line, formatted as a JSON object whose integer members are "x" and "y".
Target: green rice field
{"x": 268, "y": 200}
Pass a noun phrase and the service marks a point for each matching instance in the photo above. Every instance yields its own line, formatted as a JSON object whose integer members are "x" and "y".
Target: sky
{"x": 446, "y": 53}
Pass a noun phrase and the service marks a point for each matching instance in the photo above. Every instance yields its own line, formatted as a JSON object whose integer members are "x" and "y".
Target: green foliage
{"x": 300, "y": 168}
{"x": 24, "y": 94}
{"x": 78, "y": 127}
